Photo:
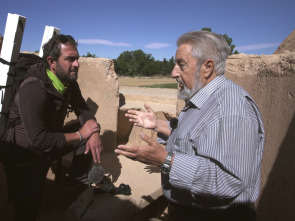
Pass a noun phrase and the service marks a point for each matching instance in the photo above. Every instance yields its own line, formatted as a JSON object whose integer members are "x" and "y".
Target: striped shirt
{"x": 218, "y": 145}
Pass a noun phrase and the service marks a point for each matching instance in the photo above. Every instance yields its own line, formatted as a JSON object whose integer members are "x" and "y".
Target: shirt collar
{"x": 56, "y": 82}
{"x": 203, "y": 95}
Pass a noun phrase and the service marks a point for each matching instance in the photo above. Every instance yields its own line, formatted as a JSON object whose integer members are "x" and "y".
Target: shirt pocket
{"x": 184, "y": 145}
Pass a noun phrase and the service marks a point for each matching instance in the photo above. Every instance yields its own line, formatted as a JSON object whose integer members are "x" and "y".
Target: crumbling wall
{"x": 270, "y": 81}
{"x": 288, "y": 44}
{"x": 99, "y": 85}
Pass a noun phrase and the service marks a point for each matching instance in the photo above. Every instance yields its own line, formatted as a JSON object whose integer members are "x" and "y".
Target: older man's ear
{"x": 208, "y": 71}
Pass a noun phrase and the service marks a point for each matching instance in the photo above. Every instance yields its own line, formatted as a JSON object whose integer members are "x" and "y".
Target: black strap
{"x": 58, "y": 173}
{"x": 5, "y": 86}
{"x": 7, "y": 62}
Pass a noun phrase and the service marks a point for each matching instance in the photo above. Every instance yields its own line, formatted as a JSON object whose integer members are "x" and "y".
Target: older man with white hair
{"x": 211, "y": 164}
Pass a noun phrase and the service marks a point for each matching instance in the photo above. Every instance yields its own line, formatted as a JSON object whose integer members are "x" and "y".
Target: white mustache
{"x": 179, "y": 81}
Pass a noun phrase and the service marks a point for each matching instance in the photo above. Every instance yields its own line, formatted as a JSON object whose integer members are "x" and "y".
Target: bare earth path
{"x": 141, "y": 81}
{"x": 160, "y": 99}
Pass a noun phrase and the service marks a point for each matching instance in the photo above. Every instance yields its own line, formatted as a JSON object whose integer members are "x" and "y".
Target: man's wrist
{"x": 166, "y": 167}
{"x": 80, "y": 135}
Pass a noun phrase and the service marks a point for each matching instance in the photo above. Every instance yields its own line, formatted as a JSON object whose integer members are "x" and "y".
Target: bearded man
{"x": 210, "y": 168}
{"x": 36, "y": 136}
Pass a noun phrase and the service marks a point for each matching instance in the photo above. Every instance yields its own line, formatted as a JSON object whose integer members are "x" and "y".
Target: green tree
{"x": 206, "y": 29}
{"x": 232, "y": 46}
{"x": 89, "y": 55}
{"x": 228, "y": 40}
{"x": 138, "y": 63}
{"x": 122, "y": 63}
{"x": 171, "y": 64}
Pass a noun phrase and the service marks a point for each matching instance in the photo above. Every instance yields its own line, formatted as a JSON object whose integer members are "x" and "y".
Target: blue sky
{"x": 108, "y": 28}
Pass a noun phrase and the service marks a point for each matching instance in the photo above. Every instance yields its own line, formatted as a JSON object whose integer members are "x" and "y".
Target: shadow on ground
{"x": 55, "y": 202}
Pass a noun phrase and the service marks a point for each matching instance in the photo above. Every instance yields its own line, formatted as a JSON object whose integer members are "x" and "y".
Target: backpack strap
{"x": 7, "y": 63}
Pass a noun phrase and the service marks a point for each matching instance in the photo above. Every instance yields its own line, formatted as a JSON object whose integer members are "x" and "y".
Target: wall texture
{"x": 288, "y": 44}
{"x": 270, "y": 81}
{"x": 100, "y": 88}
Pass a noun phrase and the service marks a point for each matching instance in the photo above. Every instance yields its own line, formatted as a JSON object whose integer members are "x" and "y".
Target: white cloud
{"x": 157, "y": 45}
{"x": 103, "y": 42}
{"x": 258, "y": 46}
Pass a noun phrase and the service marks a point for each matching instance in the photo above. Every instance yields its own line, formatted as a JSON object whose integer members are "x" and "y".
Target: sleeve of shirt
{"x": 33, "y": 114}
{"x": 226, "y": 160}
{"x": 161, "y": 138}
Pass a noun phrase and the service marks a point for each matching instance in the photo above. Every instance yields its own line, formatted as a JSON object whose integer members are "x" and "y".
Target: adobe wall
{"x": 99, "y": 85}
{"x": 270, "y": 81}
{"x": 288, "y": 44}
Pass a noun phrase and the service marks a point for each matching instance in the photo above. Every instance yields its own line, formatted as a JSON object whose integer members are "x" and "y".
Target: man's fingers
{"x": 148, "y": 108}
{"x": 131, "y": 113}
{"x": 125, "y": 151}
{"x": 124, "y": 148}
{"x": 128, "y": 115}
{"x": 135, "y": 121}
{"x": 94, "y": 156}
{"x": 132, "y": 117}
{"x": 146, "y": 138}
{"x": 87, "y": 148}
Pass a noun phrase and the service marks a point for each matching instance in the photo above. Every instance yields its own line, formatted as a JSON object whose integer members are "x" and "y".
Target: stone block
{"x": 99, "y": 85}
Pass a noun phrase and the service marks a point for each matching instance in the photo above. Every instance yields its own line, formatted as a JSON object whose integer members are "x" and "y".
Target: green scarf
{"x": 56, "y": 82}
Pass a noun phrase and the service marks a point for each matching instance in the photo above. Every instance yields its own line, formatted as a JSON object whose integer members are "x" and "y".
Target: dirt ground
{"x": 159, "y": 99}
{"x": 142, "y": 81}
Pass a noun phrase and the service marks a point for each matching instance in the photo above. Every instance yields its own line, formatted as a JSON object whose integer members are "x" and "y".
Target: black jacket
{"x": 42, "y": 111}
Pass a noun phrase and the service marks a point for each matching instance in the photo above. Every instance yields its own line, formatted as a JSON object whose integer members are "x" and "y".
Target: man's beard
{"x": 65, "y": 76}
{"x": 187, "y": 93}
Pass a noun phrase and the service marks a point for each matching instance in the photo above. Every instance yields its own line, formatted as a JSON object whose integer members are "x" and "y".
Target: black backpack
{"x": 16, "y": 75}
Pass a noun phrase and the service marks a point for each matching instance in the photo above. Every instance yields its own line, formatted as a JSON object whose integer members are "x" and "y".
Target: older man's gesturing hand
{"x": 146, "y": 120}
{"x": 152, "y": 153}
